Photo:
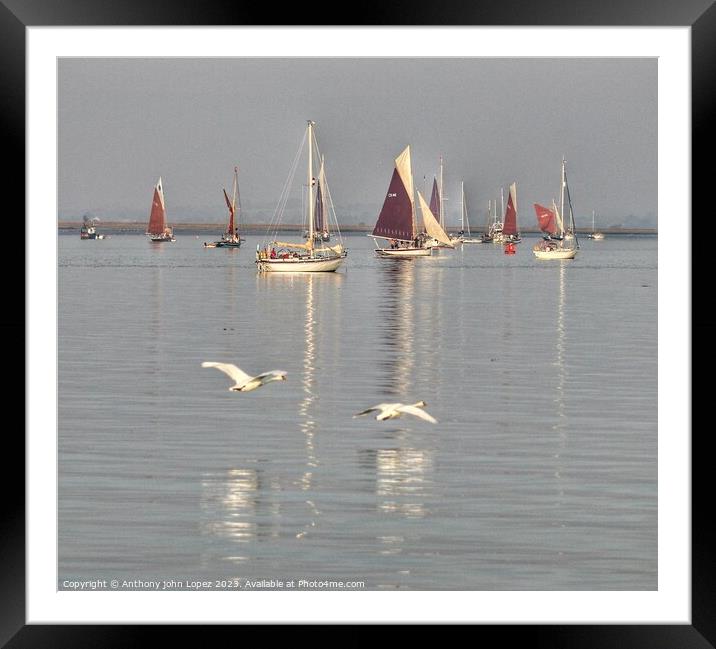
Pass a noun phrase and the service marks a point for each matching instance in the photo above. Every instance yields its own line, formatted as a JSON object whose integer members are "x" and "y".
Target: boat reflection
{"x": 396, "y": 318}
{"x": 152, "y": 389}
{"x": 306, "y": 415}
{"x": 229, "y": 505}
{"x": 560, "y": 425}
{"x": 402, "y": 480}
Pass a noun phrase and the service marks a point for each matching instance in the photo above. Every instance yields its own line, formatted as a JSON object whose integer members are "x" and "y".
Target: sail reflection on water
{"x": 403, "y": 472}
{"x": 396, "y": 317}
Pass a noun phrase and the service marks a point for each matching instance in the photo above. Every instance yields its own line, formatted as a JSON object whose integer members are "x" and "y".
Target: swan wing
{"x": 381, "y": 407}
{"x": 241, "y": 378}
{"x": 412, "y": 410}
{"x": 277, "y": 374}
{"x": 365, "y": 412}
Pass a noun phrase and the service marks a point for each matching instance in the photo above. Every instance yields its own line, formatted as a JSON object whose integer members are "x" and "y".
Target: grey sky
{"x": 125, "y": 122}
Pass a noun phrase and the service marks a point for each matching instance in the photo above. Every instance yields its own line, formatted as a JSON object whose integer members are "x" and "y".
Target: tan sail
{"x": 432, "y": 227}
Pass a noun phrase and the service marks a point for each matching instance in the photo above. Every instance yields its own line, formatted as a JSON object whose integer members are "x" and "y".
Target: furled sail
{"x": 397, "y": 217}
{"x": 319, "y": 218}
{"x": 546, "y": 219}
{"x": 157, "y": 217}
{"x": 432, "y": 227}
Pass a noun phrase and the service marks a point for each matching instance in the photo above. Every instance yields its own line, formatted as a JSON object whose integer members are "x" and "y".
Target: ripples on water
{"x": 541, "y": 473}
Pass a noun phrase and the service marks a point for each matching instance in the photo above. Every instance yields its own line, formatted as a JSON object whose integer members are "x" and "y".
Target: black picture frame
{"x": 16, "y": 15}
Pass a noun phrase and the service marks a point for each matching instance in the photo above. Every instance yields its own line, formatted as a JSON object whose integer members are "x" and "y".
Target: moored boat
{"x": 88, "y": 229}
{"x": 597, "y": 236}
{"x": 465, "y": 235}
{"x": 310, "y": 257}
{"x": 559, "y": 241}
{"x": 230, "y": 237}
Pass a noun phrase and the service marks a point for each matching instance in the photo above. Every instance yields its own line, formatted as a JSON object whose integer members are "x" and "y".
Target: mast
{"x": 502, "y": 204}
{"x": 440, "y": 204}
{"x": 569, "y": 200}
{"x": 233, "y": 201}
{"x": 561, "y": 196}
{"x": 465, "y": 220}
{"x": 592, "y": 221}
{"x": 310, "y": 183}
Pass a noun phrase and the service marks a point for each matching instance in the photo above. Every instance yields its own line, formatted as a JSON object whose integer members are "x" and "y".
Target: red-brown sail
{"x": 435, "y": 200}
{"x": 396, "y": 218}
{"x": 546, "y": 219}
{"x": 157, "y": 217}
{"x": 509, "y": 226}
{"x": 230, "y": 228}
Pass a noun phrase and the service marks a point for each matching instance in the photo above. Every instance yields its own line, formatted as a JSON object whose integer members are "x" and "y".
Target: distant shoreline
{"x": 260, "y": 228}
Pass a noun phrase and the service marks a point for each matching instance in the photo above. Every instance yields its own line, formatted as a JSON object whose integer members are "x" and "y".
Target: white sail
{"x": 560, "y": 223}
{"x": 432, "y": 227}
{"x": 402, "y": 164}
{"x": 287, "y": 257}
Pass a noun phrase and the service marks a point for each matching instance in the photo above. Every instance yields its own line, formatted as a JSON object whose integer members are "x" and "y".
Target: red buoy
{"x": 510, "y": 249}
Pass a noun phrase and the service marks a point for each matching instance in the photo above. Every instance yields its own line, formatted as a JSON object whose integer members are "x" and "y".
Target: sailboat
{"x": 230, "y": 238}
{"x": 465, "y": 237}
{"x": 282, "y": 257}
{"x": 396, "y": 221}
{"x": 509, "y": 226}
{"x": 320, "y": 230}
{"x": 437, "y": 200}
{"x": 594, "y": 234}
{"x": 158, "y": 231}
{"x": 495, "y": 231}
{"x": 487, "y": 234}
{"x": 558, "y": 242}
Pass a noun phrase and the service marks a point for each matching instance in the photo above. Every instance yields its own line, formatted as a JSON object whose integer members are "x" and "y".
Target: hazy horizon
{"x": 124, "y": 122}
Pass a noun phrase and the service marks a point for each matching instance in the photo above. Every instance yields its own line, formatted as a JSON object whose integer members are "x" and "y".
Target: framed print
{"x": 201, "y": 437}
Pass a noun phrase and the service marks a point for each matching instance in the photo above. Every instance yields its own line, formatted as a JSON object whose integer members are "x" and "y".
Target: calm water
{"x": 541, "y": 473}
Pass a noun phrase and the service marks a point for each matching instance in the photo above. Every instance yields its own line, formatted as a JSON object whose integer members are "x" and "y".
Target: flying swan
{"x": 393, "y": 410}
{"x": 242, "y": 381}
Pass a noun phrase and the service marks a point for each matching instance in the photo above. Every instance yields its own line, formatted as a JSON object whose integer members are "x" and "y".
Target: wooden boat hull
{"x": 161, "y": 239}
{"x": 300, "y": 265}
{"x": 403, "y": 252}
{"x": 468, "y": 240}
{"x": 559, "y": 253}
